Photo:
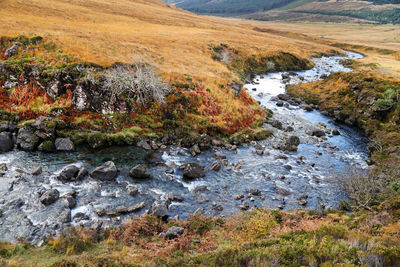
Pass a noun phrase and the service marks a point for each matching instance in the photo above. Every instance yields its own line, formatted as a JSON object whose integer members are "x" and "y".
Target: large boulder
{"x": 64, "y": 144}
{"x": 105, "y": 172}
{"x": 50, "y": 197}
{"x": 193, "y": 170}
{"x": 27, "y": 140}
{"x": 6, "y": 142}
{"x": 68, "y": 174}
{"x": 45, "y": 127}
{"x": 139, "y": 172}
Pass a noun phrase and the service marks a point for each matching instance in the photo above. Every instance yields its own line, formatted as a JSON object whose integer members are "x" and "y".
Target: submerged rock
{"x": 105, "y": 172}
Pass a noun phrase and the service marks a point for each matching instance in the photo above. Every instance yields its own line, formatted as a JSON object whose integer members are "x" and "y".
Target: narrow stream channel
{"x": 283, "y": 178}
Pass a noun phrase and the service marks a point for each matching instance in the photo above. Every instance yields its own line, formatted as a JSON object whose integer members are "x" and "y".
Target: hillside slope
{"x": 334, "y": 11}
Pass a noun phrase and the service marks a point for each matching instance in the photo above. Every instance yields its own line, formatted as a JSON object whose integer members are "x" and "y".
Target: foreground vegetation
{"x": 254, "y": 238}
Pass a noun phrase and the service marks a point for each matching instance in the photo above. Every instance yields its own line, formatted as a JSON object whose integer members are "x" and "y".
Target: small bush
{"x": 138, "y": 82}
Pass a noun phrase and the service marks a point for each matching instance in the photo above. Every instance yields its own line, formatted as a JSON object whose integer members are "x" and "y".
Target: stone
{"x": 255, "y": 192}
{"x": 143, "y": 144}
{"x": 292, "y": 143}
{"x": 50, "y": 197}
{"x": 69, "y": 202}
{"x": 37, "y": 171}
{"x": 64, "y": 144}
{"x": 174, "y": 197}
{"x": 193, "y": 170}
{"x": 200, "y": 188}
{"x": 106, "y": 172}
{"x": 216, "y": 165}
{"x": 82, "y": 173}
{"x": 44, "y": 127}
{"x": 132, "y": 190}
{"x": 13, "y": 50}
{"x": 303, "y": 202}
{"x": 174, "y": 232}
{"x": 276, "y": 124}
{"x": 139, "y": 172}
{"x": 136, "y": 207}
{"x": 3, "y": 167}
{"x": 47, "y": 146}
{"x": 317, "y": 133}
{"x": 68, "y": 174}
{"x": 160, "y": 210}
{"x": 239, "y": 196}
{"x": 27, "y": 140}
{"x": 6, "y": 142}
{"x": 65, "y": 216}
{"x": 80, "y": 216}
{"x": 335, "y": 131}
{"x": 195, "y": 150}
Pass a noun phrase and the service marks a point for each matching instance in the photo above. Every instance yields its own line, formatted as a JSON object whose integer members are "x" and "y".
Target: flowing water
{"x": 283, "y": 178}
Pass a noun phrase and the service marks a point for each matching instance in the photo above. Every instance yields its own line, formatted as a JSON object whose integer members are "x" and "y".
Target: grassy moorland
{"x": 187, "y": 52}
{"x": 199, "y": 57}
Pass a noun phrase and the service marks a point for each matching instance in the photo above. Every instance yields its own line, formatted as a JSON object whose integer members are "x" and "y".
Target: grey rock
{"x": 136, "y": 207}
{"x": 139, "y": 172}
{"x": 174, "y": 197}
{"x": 292, "y": 143}
{"x": 160, "y": 210}
{"x": 6, "y": 142}
{"x": 68, "y": 174}
{"x": 195, "y": 150}
{"x": 37, "y": 171}
{"x": 82, "y": 173}
{"x": 50, "y": 197}
{"x": 216, "y": 165}
{"x": 27, "y": 140}
{"x": 64, "y": 144}
{"x": 174, "y": 232}
{"x": 143, "y": 144}
{"x": 317, "y": 133}
{"x": 69, "y": 202}
{"x": 132, "y": 190}
{"x": 80, "y": 216}
{"x": 45, "y": 127}
{"x": 193, "y": 170}
{"x": 3, "y": 167}
{"x": 13, "y": 50}
{"x": 276, "y": 124}
{"x": 105, "y": 172}
{"x": 255, "y": 192}
{"x": 65, "y": 216}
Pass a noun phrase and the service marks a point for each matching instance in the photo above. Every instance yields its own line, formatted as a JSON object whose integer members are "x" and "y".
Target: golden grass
{"x": 174, "y": 40}
{"x": 375, "y": 36}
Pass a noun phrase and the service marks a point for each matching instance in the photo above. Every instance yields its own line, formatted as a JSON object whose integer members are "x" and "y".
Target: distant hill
{"x": 229, "y": 7}
{"x": 355, "y": 11}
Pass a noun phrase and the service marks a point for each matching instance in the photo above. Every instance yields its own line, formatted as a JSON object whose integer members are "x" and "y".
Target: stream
{"x": 272, "y": 179}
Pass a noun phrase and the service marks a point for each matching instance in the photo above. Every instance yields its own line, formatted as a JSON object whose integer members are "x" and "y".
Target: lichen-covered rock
{"x": 64, "y": 144}
{"x": 44, "y": 127}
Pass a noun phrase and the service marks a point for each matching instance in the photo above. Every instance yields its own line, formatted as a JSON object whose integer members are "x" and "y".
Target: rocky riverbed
{"x": 42, "y": 194}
